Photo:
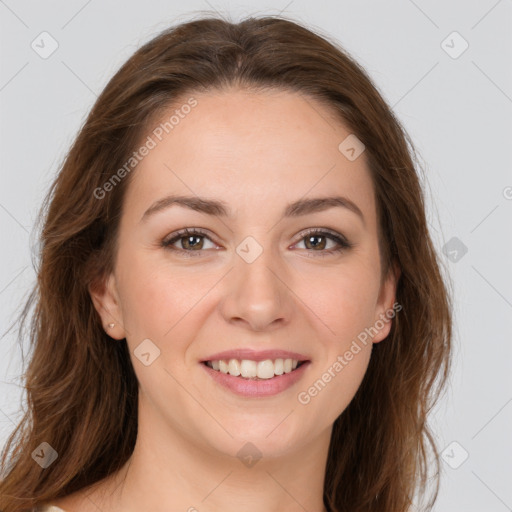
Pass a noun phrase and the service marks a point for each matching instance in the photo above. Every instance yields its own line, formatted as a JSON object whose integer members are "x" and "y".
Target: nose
{"x": 257, "y": 295}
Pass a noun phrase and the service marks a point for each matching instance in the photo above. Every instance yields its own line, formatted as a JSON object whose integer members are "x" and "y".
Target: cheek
{"x": 158, "y": 298}
{"x": 345, "y": 302}
{"x": 342, "y": 301}
{"x": 334, "y": 383}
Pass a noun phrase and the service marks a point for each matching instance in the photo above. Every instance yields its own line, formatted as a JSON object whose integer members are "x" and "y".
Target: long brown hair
{"x": 77, "y": 376}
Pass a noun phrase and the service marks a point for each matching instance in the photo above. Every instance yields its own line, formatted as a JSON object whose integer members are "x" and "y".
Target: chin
{"x": 270, "y": 435}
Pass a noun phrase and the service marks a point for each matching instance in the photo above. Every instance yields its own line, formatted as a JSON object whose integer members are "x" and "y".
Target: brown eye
{"x": 316, "y": 240}
{"x": 191, "y": 240}
{"x": 312, "y": 241}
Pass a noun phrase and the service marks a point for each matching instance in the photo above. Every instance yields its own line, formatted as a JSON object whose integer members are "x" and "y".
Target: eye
{"x": 190, "y": 240}
{"x": 312, "y": 236}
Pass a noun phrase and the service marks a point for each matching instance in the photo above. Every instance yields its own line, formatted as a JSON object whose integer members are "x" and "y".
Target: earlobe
{"x": 105, "y": 299}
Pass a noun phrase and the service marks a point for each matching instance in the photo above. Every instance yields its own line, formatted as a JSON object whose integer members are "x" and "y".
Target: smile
{"x": 249, "y": 369}
{"x": 256, "y": 378}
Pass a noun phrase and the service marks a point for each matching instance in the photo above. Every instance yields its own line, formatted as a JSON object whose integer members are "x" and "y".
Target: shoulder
{"x": 86, "y": 499}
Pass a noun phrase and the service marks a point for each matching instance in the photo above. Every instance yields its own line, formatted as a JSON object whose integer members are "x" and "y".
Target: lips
{"x": 242, "y": 382}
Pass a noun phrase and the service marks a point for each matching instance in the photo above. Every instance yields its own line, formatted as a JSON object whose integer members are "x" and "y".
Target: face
{"x": 264, "y": 273}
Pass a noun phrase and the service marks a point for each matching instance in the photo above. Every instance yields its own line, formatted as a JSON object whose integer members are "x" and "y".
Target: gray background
{"x": 457, "y": 109}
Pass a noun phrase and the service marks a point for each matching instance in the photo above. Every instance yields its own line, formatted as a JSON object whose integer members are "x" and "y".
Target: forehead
{"x": 251, "y": 150}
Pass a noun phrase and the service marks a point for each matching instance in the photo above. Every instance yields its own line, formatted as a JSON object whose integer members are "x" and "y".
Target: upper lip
{"x": 255, "y": 355}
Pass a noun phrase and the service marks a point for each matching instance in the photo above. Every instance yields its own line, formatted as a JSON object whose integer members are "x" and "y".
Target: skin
{"x": 257, "y": 152}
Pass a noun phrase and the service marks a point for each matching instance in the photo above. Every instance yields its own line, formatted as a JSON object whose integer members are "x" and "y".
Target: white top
{"x": 51, "y": 508}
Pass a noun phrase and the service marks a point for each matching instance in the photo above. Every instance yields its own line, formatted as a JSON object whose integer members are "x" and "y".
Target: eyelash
{"x": 343, "y": 244}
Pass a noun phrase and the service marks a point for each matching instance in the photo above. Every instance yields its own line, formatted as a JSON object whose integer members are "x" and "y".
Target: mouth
{"x": 248, "y": 369}
{"x": 256, "y": 379}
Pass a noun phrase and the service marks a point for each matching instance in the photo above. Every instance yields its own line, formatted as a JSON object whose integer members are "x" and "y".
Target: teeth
{"x": 254, "y": 369}
{"x": 248, "y": 369}
{"x": 279, "y": 367}
{"x": 234, "y": 367}
{"x": 265, "y": 369}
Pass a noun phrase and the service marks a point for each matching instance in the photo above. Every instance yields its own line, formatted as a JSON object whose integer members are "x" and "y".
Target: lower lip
{"x": 257, "y": 388}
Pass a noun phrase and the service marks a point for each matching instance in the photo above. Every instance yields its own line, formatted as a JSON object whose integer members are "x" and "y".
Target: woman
{"x": 238, "y": 302}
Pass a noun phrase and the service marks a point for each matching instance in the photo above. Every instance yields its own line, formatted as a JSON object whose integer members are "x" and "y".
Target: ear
{"x": 105, "y": 298}
{"x": 387, "y": 307}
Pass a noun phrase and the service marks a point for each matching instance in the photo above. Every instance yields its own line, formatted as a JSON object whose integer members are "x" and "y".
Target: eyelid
{"x": 324, "y": 231}
{"x": 181, "y": 233}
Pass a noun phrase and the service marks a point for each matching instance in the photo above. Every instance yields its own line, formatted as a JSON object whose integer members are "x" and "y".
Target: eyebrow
{"x": 221, "y": 209}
